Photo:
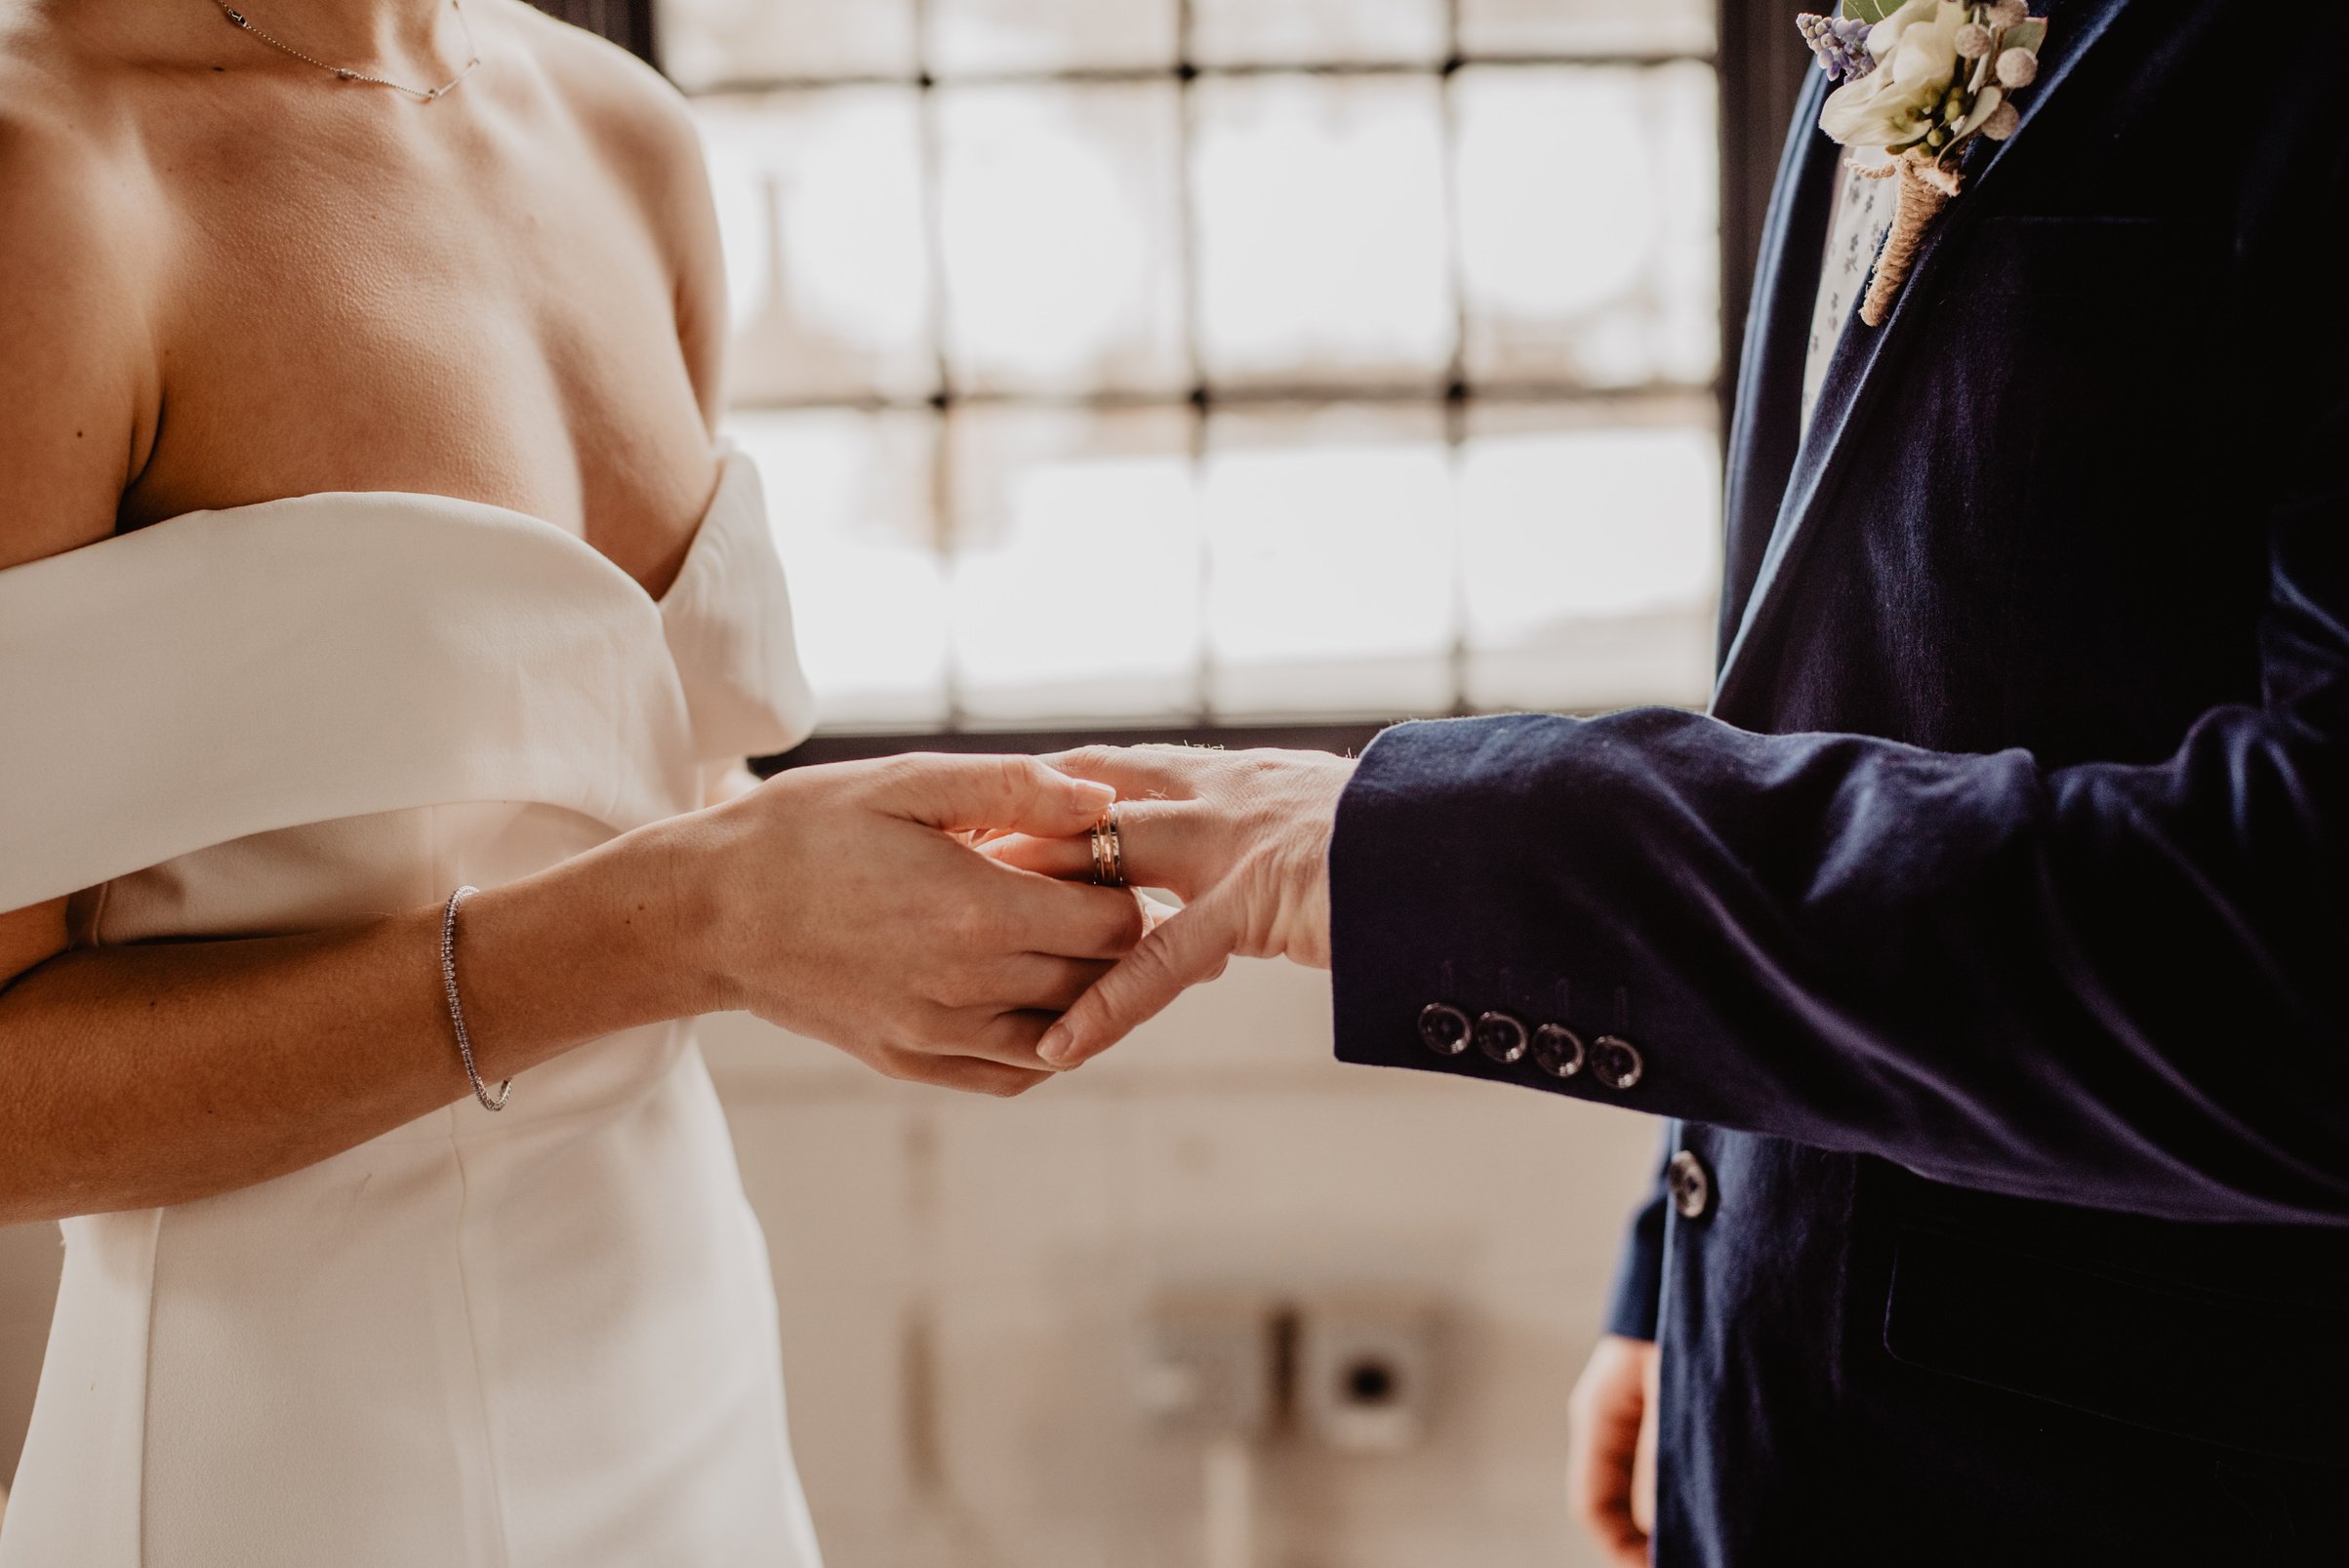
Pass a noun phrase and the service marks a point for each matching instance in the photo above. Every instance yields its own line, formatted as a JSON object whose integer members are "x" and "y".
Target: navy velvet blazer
{"x": 1990, "y": 937}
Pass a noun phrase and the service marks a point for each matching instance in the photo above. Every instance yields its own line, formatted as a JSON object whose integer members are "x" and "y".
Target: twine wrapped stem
{"x": 1926, "y": 187}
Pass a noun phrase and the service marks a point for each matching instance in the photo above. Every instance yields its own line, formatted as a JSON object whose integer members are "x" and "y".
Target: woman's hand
{"x": 1242, "y": 837}
{"x": 843, "y": 903}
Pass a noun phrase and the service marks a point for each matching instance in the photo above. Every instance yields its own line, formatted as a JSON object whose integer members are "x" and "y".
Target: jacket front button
{"x": 1443, "y": 1030}
{"x": 1558, "y": 1050}
{"x": 1690, "y": 1187}
{"x": 1501, "y": 1037}
{"x": 1615, "y": 1061}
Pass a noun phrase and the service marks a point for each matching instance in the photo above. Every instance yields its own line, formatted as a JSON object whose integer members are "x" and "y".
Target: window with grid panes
{"x": 1209, "y": 362}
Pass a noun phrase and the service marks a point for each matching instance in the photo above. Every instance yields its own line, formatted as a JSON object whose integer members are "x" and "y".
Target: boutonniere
{"x": 1920, "y": 81}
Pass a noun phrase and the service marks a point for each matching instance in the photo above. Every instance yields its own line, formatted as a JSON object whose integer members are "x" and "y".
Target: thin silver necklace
{"x": 421, "y": 94}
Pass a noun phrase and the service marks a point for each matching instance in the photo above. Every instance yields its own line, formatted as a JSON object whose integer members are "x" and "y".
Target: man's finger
{"x": 1043, "y": 983}
{"x": 1162, "y": 843}
{"x": 1184, "y": 846}
{"x": 1605, "y": 1419}
{"x": 1020, "y": 794}
{"x": 1599, "y": 1493}
{"x": 1643, "y": 1454}
{"x": 1064, "y": 860}
{"x": 1189, "y": 947}
{"x": 1062, "y": 919}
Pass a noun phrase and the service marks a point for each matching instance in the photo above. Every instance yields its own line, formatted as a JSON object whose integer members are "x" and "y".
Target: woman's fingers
{"x": 1018, "y": 794}
{"x": 1184, "y": 951}
{"x": 1003, "y": 1036}
{"x": 970, "y": 1075}
{"x": 1137, "y": 772}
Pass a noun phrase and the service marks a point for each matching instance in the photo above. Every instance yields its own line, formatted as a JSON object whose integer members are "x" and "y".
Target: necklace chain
{"x": 423, "y": 95}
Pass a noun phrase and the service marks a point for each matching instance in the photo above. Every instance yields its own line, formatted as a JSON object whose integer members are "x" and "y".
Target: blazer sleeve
{"x": 1637, "y": 1299}
{"x": 2119, "y": 985}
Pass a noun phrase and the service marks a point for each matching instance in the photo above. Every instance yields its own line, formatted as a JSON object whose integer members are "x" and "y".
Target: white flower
{"x": 1915, "y": 50}
{"x": 2018, "y": 67}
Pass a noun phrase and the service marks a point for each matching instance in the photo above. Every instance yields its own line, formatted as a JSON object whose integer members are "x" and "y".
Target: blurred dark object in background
{"x": 1761, "y": 63}
{"x": 626, "y": 22}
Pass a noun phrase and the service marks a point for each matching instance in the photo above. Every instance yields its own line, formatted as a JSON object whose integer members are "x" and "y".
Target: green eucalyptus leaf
{"x": 1870, "y": 11}
{"x": 2024, "y": 35}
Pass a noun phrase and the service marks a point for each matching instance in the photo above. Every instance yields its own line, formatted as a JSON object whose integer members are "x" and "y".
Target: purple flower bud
{"x": 1841, "y": 43}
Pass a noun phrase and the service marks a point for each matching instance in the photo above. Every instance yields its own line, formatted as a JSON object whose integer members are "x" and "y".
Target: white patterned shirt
{"x": 1855, "y": 232}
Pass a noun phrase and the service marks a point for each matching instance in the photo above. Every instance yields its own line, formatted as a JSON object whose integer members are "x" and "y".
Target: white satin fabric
{"x": 537, "y": 1339}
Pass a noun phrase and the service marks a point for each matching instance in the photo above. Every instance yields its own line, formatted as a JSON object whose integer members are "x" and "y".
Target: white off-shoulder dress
{"x": 537, "y": 1339}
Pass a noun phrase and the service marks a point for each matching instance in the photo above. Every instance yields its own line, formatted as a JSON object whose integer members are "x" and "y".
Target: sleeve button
{"x": 1443, "y": 1030}
{"x": 1558, "y": 1051}
{"x": 1501, "y": 1037}
{"x": 1615, "y": 1061}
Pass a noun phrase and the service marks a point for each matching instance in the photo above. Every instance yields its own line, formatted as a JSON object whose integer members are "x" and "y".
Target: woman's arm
{"x": 157, "y": 1074}
{"x": 644, "y": 135}
{"x": 832, "y": 901}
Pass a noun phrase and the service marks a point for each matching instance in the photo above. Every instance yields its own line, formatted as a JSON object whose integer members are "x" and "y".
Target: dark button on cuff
{"x": 1501, "y": 1037}
{"x": 1615, "y": 1061}
{"x": 1690, "y": 1187}
{"x": 1443, "y": 1030}
{"x": 1558, "y": 1050}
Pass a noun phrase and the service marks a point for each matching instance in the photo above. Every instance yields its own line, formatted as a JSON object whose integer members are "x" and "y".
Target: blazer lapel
{"x": 1764, "y": 429}
{"x": 1868, "y": 355}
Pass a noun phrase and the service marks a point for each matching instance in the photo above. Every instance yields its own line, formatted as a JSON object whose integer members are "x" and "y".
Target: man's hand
{"x": 843, "y": 903}
{"x": 1611, "y": 1448}
{"x": 1242, "y": 837}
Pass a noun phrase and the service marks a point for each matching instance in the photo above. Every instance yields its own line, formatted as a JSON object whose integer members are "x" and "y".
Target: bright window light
{"x": 1324, "y": 250}
{"x": 1159, "y": 362}
{"x": 1061, "y": 214}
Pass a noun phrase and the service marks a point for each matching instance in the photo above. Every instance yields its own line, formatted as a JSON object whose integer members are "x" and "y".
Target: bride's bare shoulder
{"x": 76, "y": 369}
{"x": 644, "y": 135}
{"x": 638, "y": 119}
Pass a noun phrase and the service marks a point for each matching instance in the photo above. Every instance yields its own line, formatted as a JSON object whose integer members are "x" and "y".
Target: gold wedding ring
{"x": 1109, "y": 851}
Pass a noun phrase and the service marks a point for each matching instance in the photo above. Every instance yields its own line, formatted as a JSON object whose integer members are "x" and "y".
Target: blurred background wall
{"x": 1371, "y": 351}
